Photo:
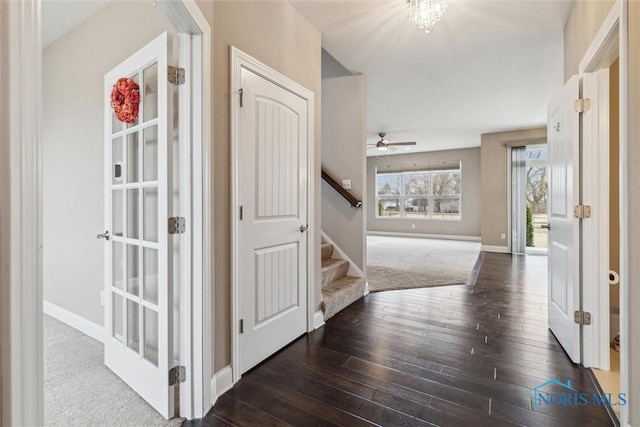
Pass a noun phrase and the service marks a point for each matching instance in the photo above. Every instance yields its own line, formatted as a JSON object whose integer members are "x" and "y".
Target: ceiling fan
{"x": 385, "y": 144}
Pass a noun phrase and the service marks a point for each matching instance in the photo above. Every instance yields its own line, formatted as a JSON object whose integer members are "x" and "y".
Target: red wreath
{"x": 125, "y": 99}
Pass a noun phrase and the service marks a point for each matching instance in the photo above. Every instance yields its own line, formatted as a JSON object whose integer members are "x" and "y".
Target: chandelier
{"x": 426, "y": 13}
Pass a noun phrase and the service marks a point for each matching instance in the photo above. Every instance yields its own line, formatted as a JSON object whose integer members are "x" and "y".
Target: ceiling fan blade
{"x": 402, "y": 143}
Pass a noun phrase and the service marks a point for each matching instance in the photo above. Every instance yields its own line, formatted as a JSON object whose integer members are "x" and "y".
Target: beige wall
{"x": 583, "y": 23}
{"x": 73, "y": 155}
{"x": 344, "y": 122}
{"x": 276, "y": 34}
{"x": 632, "y": 197}
{"x": 469, "y": 226}
{"x": 494, "y": 178}
{"x": 5, "y": 223}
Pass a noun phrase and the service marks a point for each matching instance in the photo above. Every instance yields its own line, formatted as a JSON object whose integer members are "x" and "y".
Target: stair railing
{"x": 355, "y": 203}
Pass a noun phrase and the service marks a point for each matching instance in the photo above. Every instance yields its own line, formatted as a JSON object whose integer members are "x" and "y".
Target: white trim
{"x": 196, "y": 303}
{"x": 21, "y": 210}
{"x": 424, "y": 236}
{"x": 318, "y": 319}
{"x": 221, "y": 382}
{"x": 498, "y": 249}
{"x": 603, "y": 50}
{"x": 239, "y": 60}
{"x": 595, "y": 231}
{"x": 353, "y": 271}
{"x": 79, "y": 323}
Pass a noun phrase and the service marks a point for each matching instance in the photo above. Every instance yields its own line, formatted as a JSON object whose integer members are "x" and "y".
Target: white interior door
{"x": 272, "y": 192}
{"x": 563, "y": 132}
{"x": 138, "y": 295}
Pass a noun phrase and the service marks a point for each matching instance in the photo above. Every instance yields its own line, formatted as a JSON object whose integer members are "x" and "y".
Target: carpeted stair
{"x": 338, "y": 289}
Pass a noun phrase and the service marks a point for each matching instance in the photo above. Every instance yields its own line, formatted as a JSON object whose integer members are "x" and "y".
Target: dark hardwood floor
{"x": 450, "y": 356}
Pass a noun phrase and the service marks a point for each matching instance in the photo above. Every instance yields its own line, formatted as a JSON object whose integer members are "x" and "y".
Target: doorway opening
{"x": 529, "y": 199}
{"x": 609, "y": 380}
{"x": 141, "y": 179}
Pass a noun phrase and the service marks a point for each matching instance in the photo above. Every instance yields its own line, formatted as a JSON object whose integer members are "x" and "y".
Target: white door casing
{"x": 272, "y": 134}
{"x": 563, "y": 132}
{"x": 138, "y": 293}
{"x": 595, "y": 230}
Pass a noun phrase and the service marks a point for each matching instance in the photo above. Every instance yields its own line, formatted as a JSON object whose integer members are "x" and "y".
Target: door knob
{"x": 547, "y": 226}
{"x": 104, "y": 236}
{"x": 303, "y": 228}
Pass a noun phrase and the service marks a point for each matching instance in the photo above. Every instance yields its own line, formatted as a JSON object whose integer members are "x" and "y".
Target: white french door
{"x": 138, "y": 293}
{"x": 272, "y": 195}
{"x": 563, "y": 132}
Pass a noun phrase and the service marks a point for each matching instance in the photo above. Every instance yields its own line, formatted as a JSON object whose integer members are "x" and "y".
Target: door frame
{"x": 21, "y": 212}
{"x": 239, "y": 60}
{"x": 608, "y": 44}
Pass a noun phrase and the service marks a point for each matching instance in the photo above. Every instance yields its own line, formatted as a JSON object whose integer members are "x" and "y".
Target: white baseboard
{"x": 221, "y": 382}
{"x": 353, "y": 270}
{"x": 424, "y": 236}
{"x": 500, "y": 249}
{"x": 318, "y": 319}
{"x": 85, "y": 326}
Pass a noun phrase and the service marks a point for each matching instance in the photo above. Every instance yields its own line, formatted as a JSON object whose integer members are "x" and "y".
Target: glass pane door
{"x": 135, "y": 223}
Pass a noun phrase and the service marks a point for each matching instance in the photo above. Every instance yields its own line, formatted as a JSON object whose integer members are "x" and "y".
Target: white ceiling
{"x": 61, "y": 16}
{"x": 486, "y": 66}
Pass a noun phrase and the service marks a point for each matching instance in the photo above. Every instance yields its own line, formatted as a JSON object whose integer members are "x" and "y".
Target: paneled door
{"x": 272, "y": 236}
{"x": 138, "y": 295}
{"x": 563, "y": 132}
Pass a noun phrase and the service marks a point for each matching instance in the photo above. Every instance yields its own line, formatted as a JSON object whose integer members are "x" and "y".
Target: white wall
{"x": 468, "y": 226}
{"x": 73, "y": 165}
{"x": 343, "y": 157}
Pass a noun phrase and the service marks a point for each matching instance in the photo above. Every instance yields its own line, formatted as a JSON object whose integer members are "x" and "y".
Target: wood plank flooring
{"x": 446, "y": 356}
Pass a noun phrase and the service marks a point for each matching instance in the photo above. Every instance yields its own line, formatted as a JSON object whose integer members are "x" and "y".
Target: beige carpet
{"x": 405, "y": 263}
{"x": 80, "y": 391}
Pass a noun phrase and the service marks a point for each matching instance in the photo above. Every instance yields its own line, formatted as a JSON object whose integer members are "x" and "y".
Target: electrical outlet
{"x": 102, "y": 298}
{"x": 503, "y": 236}
{"x": 346, "y": 184}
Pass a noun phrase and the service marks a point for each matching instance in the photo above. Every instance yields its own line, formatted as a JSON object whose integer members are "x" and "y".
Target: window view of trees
{"x": 537, "y": 197}
{"x": 537, "y": 189}
{"x": 420, "y": 195}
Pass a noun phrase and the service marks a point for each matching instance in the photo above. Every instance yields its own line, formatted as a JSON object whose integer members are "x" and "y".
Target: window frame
{"x": 402, "y": 198}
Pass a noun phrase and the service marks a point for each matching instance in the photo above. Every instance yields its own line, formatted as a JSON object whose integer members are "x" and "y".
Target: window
{"x": 419, "y": 193}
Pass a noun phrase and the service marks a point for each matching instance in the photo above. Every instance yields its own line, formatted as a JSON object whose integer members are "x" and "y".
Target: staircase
{"x": 338, "y": 289}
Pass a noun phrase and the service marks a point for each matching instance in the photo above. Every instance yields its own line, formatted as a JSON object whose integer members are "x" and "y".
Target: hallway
{"x": 450, "y": 356}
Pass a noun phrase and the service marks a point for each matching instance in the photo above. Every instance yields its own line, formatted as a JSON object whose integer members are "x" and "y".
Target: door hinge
{"x": 242, "y": 326}
{"x": 177, "y": 374}
{"x": 241, "y": 213}
{"x": 582, "y": 317}
{"x": 582, "y": 105}
{"x": 177, "y": 225}
{"x": 176, "y": 75}
{"x": 241, "y": 92}
{"x": 582, "y": 211}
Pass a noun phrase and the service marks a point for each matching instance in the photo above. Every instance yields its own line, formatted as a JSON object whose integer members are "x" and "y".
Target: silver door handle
{"x": 104, "y": 236}
{"x": 304, "y": 228}
{"x": 547, "y": 226}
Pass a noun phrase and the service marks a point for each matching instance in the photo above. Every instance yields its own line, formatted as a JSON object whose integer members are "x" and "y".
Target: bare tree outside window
{"x": 420, "y": 194}
{"x": 537, "y": 189}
